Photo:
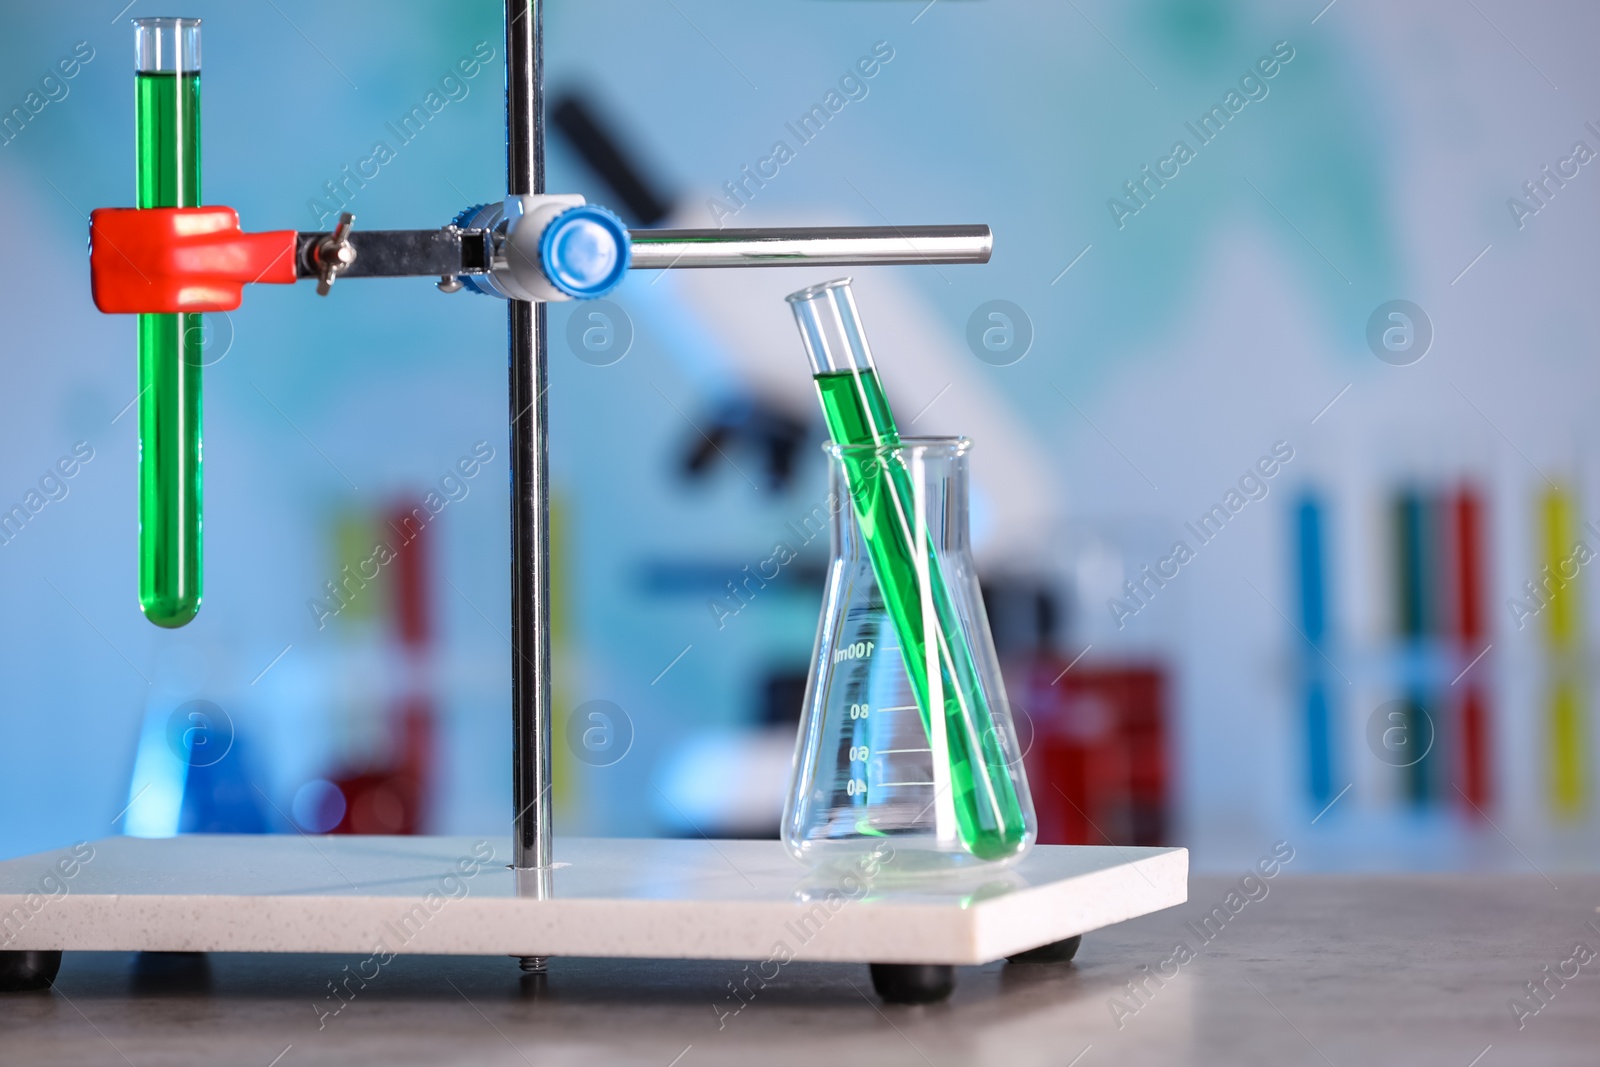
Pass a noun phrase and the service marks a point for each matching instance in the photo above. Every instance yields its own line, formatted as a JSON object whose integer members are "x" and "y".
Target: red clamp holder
{"x": 163, "y": 260}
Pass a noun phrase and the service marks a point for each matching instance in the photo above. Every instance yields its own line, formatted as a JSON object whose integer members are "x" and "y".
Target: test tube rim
{"x": 812, "y": 292}
{"x": 175, "y": 24}
{"x": 825, "y": 314}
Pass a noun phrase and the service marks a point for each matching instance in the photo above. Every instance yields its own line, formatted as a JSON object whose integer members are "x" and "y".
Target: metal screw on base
{"x": 534, "y": 964}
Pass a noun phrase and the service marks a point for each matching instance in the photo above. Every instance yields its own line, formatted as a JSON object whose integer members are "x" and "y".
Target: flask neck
{"x": 922, "y": 488}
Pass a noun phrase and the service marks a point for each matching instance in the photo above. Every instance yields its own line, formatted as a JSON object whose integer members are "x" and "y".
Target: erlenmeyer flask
{"x": 872, "y": 768}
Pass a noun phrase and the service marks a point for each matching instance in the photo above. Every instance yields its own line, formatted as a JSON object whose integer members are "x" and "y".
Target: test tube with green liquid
{"x": 989, "y": 817}
{"x": 167, "y": 135}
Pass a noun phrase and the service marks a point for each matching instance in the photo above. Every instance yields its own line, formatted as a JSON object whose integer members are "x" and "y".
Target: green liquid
{"x": 988, "y": 815}
{"x": 167, "y": 129}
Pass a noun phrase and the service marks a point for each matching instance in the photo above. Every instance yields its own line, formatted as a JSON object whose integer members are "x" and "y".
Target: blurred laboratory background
{"x": 1285, "y": 483}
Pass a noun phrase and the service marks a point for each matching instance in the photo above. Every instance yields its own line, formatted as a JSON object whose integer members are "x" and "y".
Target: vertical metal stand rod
{"x": 530, "y": 488}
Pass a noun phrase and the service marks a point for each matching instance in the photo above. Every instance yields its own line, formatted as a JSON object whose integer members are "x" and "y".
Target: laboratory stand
{"x": 532, "y": 897}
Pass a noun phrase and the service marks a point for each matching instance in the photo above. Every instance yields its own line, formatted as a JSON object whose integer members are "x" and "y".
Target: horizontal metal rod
{"x": 822, "y": 246}
{"x": 403, "y": 253}
{"x": 452, "y": 251}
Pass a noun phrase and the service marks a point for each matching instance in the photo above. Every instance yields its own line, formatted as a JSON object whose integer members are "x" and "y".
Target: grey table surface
{"x": 1342, "y": 970}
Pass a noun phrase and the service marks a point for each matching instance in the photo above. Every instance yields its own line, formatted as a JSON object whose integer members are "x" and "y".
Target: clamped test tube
{"x": 167, "y": 135}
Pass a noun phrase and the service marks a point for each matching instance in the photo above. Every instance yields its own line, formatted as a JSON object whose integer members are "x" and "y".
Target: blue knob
{"x": 585, "y": 251}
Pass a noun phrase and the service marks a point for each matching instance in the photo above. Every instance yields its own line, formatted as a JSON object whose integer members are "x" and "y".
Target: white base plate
{"x": 670, "y": 899}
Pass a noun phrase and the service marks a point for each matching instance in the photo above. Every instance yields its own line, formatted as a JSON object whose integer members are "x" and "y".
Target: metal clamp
{"x": 548, "y": 247}
{"x": 335, "y": 253}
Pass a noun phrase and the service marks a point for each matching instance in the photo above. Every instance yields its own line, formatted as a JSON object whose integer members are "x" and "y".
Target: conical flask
{"x": 874, "y": 771}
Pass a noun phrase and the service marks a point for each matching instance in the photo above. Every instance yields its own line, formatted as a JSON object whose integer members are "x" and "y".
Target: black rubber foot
{"x": 21, "y": 971}
{"x": 913, "y": 983}
{"x": 1055, "y": 952}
